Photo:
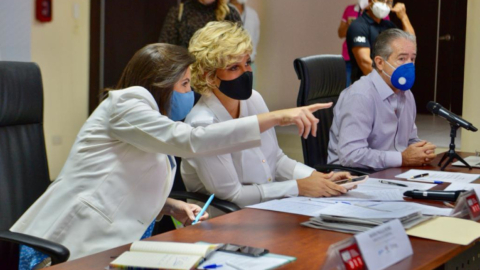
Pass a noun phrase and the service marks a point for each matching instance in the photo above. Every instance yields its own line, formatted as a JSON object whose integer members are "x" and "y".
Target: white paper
{"x": 296, "y": 205}
{"x": 450, "y": 177}
{"x": 363, "y": 211}
{"x": 384, "y": 245}
{"x": 367, "y": 195}
{"x": 473, "y": 161}
{"x": 399, "y": 206}
{"x": 268, "y": 261}
{"x": 374, "y": 184}
{"x": 460, "y": 186}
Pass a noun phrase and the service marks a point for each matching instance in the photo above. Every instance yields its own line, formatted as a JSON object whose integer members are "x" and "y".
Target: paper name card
{"x": 384, "y": 245}
{"x": 467, "y": 205}
{"x": 352, "y": 258}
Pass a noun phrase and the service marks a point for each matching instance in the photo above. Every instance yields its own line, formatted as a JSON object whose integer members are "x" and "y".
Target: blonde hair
{"x": 216, "y": 46}
{"x": 222, "y": 10}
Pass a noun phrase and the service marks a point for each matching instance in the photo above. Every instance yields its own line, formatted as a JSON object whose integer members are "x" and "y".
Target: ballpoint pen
{"x": 212, "y": 266}
{"x": 434, "y": 182}
{"x": 419, "y": 176}
{"x": 393, "y": 183}
{"x": 203, "y": 209}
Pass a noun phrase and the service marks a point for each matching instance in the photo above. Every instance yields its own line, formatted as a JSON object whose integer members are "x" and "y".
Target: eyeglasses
{"x": 388, "y": 2}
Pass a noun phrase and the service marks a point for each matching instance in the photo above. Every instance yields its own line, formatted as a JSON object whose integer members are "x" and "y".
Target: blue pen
{"x": 212, "y": 266}
{"x": 437, "y": 182}
{"x": 203, "y": 209}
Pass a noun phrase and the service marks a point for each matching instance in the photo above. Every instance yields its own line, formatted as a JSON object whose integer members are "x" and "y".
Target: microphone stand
{"x": 451, "y": 154}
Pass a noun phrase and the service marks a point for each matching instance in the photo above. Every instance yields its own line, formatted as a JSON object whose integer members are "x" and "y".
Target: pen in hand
{"x": 203, "y": 209}
{"x": 393, "y": 183}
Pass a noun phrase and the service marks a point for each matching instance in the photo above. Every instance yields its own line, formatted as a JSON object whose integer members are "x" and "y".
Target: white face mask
{"x": 380, "y": 10}
{"x": 362, "y": 4}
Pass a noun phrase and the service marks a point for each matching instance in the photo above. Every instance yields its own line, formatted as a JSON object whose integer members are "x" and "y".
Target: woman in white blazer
{"x": 120, "y": 170}
{"x": 222, "y": 74}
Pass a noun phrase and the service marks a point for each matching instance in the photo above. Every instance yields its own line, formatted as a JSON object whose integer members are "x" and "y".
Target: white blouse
{"x": 245, "y": 177}
{"x": 118, "y": 175}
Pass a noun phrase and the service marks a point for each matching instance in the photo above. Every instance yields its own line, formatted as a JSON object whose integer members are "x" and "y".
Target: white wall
{"x": 292, "y": 29}
{"x": 471, "y": 90}
{"x": 61, "y": 49}
{"x": 15, "y": 28}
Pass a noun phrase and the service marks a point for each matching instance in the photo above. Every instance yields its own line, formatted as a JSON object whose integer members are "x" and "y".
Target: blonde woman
{"x": 222, "y": 75}
{"x": 186, "y": 18}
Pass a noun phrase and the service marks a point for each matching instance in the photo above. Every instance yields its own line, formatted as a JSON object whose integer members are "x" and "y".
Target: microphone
{"x": 439, "y": 110}
{"x": 440, "y": 195}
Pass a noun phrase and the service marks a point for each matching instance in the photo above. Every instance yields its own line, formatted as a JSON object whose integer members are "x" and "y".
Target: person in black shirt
{"x": 185, "y": 19}
{"x": 363, "y": 32}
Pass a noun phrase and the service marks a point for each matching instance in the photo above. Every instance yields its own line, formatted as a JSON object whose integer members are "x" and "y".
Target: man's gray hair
{"x": 383, "y": 42}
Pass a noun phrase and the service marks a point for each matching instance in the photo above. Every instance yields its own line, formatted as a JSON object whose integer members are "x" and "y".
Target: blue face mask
{"x": 403, "y": 76}
{"x": 180, "y": 105}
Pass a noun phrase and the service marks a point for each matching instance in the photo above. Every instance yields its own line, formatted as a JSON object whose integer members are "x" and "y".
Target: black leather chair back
{"x": 322, "y": 78}
{"x": 24, "y": 172}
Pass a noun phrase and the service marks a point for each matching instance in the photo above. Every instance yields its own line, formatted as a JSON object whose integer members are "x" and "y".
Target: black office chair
{"x": 24, "y": 172}
{"x": 322, "y": 79}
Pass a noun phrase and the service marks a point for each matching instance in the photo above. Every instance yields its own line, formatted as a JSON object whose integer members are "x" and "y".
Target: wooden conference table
{"x": 282, "y": 233}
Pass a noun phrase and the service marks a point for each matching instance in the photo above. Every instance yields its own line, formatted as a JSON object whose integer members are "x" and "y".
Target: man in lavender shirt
{"x": 374, "y": 122}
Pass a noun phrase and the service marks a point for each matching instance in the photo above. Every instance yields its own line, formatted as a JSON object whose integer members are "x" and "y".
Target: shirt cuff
{"x": 393, "y": 159}
{"x": 301, "y": 171}
{"x": 278, "y": 190}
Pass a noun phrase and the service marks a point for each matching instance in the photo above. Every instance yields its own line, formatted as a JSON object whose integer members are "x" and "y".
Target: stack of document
{"x": 360, "y": 217}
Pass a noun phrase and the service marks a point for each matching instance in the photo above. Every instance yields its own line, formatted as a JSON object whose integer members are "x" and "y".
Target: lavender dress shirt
{"x": 372, "y": 125}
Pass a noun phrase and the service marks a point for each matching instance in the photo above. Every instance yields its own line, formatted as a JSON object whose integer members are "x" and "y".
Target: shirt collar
{"x": 369, "y": 19}
{"x": 219, "y": 110}
{"x": 380, "y": 85}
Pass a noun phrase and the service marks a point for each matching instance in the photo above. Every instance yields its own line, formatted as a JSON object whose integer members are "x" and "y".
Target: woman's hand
{"x": 339, "y": 176}
{"x": 302, "y": 117}
{"x": 182, "y": 211}
{"x": 319, "y": 185}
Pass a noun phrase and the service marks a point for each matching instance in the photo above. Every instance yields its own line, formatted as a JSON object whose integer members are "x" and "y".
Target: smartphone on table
{"x": 350, "y": 183}
{"x": 244, "y": 250}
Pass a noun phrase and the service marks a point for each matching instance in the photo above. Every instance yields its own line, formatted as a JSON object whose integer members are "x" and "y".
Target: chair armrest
{"x": 57, "y": 252}
{"x": 222, "y": 205}
{"x": 331, "y": 167}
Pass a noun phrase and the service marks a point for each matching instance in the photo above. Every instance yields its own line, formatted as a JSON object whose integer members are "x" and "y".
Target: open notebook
{"x": 163, "y": 255}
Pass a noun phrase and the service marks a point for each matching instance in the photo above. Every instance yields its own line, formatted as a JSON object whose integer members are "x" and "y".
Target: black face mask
{"x": 239, "y": 88}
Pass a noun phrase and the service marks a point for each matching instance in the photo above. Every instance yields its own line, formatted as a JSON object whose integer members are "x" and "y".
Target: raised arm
{"x": 135, "y": 121}
{"x": 401, "y": 12}
{"x": 362, "y": 56}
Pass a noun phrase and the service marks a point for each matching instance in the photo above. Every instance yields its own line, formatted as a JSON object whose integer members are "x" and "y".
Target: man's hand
{"x": 400, "y": 10}
{"x": 418, "y": 154}
{"x": 319, "y": 185}
{"x": 182, "y": 211}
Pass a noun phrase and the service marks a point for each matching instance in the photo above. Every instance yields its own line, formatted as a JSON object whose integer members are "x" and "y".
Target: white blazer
{"x": 244, "y": 177}
{"x": 118, "y": 175}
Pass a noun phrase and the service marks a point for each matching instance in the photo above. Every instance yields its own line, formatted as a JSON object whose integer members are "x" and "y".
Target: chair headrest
{"x": 21, "y": 93}
{"x": 321, "y": 75}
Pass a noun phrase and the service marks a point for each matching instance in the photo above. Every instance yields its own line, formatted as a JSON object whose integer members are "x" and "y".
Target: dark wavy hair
{"x": 157, "y": 67}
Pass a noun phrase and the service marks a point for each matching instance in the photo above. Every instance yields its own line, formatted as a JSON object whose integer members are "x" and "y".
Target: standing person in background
{"x": 363, "y": 32}
{"x": 351, "y": 13}
{"x": 185, "y": 19}
{"x": 251, "y": 23}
